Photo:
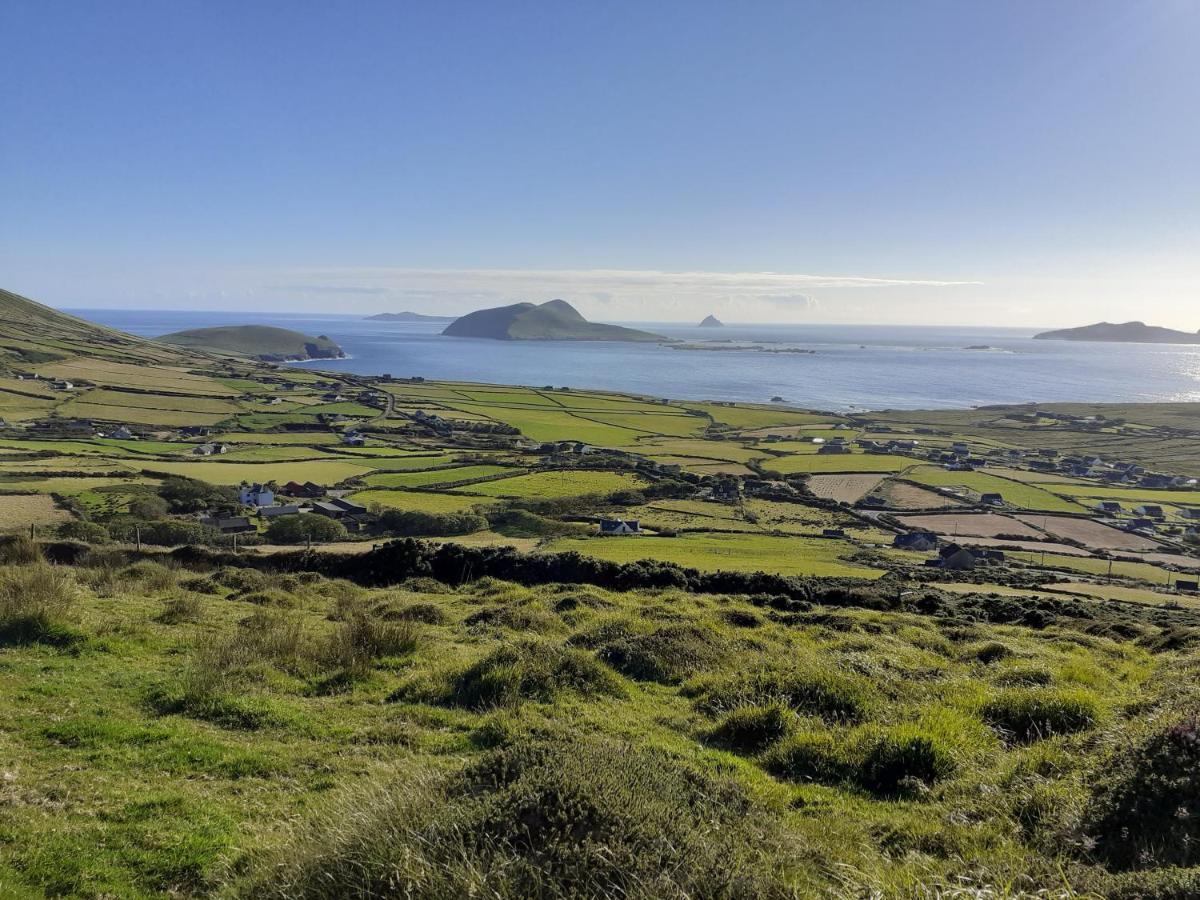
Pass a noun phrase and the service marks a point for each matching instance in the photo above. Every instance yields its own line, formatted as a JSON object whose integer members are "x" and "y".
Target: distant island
{"x": 262, "y": 342}
{"x": 409, "y": 317}
{"x": 1126, "y": 333}
{"x": 712, "y": 322}
{"x": 554, "y": 320}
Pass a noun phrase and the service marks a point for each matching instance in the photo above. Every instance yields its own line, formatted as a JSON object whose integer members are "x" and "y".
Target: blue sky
{"x": 969, "y": 163}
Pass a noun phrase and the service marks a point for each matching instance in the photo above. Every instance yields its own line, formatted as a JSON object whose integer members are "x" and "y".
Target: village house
{"x": 833, "y": 532}
{"x": 121, "y": 433}
{"x": 832, "y": 447}
{"x": 209, "y": 449}
{"x": 195, "y": 431}
{"x": 339, "y": 508}
{"x": 1150, "y": 511}
{"x": 992, "y": 499}
{"x": 1190, "y": 512}
{"x": 921, "y": 541}
{"x": 1109, "y": 507}
{"x": 62, "y": 385}
{"x": 353, "y": 439}
{"x": 256, "y": 495}
{"x": 615, "y": 527}
{"x": 1140, "y": 525}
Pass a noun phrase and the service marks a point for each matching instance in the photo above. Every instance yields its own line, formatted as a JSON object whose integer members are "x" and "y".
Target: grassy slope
{"x": 206, "y": 735}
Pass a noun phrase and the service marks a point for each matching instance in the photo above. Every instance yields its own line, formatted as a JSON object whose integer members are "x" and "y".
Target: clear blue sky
{"x": 1009, "y": 162}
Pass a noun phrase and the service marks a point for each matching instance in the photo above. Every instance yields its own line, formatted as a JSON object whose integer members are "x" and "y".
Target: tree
{"x": 148, "y": 507}
{"x": 307, "y": 527}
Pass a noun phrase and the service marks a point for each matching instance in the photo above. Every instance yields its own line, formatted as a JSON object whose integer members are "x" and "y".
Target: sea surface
{"x": 850, "y": 367}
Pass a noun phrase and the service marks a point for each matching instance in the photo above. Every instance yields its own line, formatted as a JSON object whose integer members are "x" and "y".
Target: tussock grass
{"x": 530, "y": 670}
{"x": 1030, "y": 714}
{"x": 666, "y": 655}
{"x": 816, "y": 688}
{"x": 579, "y": 817}
{"x": 35, "y": 601}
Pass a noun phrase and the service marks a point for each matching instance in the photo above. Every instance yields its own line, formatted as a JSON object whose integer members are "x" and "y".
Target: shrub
{"x": 87, "y": 532}
{"x": 414, "y": 523}
{"x": 1141, "y": 812}
{"x": 989, "y": 652}
{"x": 299, "y": 529}
{"x": 428, "y": 613}
{"x": 578, "y": 817}
{"x": 750, "y": 729}
{"x": 516, "y": 616}
{"x": 810, "y": 756}
{"x": 530, "y": 670}
{"x": 666, "y": 655}
{"x": 154, "y": 577}
{"x": 34, "y": 602}
{"x": 1029, "y": 714}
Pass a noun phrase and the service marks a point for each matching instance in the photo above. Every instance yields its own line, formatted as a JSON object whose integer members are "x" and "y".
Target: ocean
{"x": 850, "y": 367}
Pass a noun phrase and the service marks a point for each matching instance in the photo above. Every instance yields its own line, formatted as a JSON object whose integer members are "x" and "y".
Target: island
{"x": 407, "y": 316}
{"x": 262, "y": 342}
{"x": 1125, "y": 333}
{"x": 554, "y": 320}
{"x": 712, "y": 322}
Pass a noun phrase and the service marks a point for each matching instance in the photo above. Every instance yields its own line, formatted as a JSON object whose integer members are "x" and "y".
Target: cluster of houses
{"x": 951, "y": 557}
{"x": 303, "y": 499}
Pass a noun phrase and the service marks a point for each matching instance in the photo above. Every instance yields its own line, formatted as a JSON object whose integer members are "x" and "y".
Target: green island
{"x": 265, "y": 343}
{"x": 554, "y": 320}
{"x": 275, "y": 632}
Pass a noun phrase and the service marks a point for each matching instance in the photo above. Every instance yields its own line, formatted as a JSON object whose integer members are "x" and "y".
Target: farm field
{"x": 844, "y": 488}
{"x": 1024, "y": 496}
{"x": 1129, "y": 594}
{"x": 429, "y": 477}
{"x": 419, "y": 501}
{"x": 321, "y": 471}
{"x": 837, "y": 462}
{"x": 728, "y": 552}
{"x": 902, "y": 495}
{"x": 1090, "y": 533}
{"x": 987, "y": 525}
{"x": 556, "y": 485}
{"x": 23, "y": 510}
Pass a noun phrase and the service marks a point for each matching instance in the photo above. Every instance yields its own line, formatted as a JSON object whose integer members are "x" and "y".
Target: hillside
{"x": 408, "y": 317}
{"x": 31, "y": 333}
{"x": 262, "y": 342}
{"x": 555, "y": 320}
{"x": 1126, "y": 333}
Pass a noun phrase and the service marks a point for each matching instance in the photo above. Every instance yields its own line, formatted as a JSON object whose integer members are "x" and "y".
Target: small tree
{"x": 301, "y": 528}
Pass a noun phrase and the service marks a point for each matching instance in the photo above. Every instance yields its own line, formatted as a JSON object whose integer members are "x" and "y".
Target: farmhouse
{"x": 992, "y": 499}
{"x": 339, "y": 508}
{"x": 833, "y": 533}
{"x": 195, "y": 431}
{"x": 353, "y": 439}
{"x": 1111, "y": 507}
{"x": 826, "y": 449}
{"x": 1187, "y": 587}
{"x": 1190, "y": 512}
{"x": 614, "y": 527}
{"x": 916, "y": 540}
{"x": 256, "y": 495}
{"x": 1150, "y": 511}
{"x": 209, "y": 449}
{"x": 121, "y": 433}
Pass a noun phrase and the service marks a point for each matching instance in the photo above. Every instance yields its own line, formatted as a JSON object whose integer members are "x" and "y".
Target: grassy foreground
{"x": 228, "y": 731}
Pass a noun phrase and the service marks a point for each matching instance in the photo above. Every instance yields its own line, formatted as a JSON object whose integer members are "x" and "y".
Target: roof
{"x": 271, "y": 511}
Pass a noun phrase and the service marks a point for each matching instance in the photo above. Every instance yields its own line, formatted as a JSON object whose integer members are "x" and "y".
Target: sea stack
{"x": 712, "y": 322}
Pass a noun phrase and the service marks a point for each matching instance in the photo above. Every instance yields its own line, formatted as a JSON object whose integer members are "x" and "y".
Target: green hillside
{"x": 31, "y": 333}
{"x": 264, "y": 342}
{"x": 555, "y": 320}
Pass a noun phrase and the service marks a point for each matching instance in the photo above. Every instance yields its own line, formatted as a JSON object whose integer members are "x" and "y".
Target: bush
{"x": 750, "y": 729}
{"x": 530, "y": 670}
{"x": 34, "y": 602}
{"x": 299, "y": 529}
{"x": 429, "y": 613}
{"x": 414, "y": 523}
{"x": 811, "y": 690}
{"x": 578, "y": 817}
{"x": 1142, "y": 811}
{"x": 667, "y": 655}
{"x": 167, "y": 533}
{"x": 810, "y": 756}
{"x": 1030, "y": 714}
{"x": 87, "y": 532}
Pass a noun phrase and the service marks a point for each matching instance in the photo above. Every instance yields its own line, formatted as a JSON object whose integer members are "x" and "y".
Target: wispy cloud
{"x": 615, "y": 293}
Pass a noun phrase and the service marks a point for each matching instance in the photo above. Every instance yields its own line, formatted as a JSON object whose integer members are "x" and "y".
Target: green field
{"x": 728, "y": 552}
{"x": 434, "y": 477}
{"x": 836, "y": 462}
{"x": 556, "y": 485}
{"x": 321, "y": 471}
{"x": 421, "y": 501}
{"x": 1024, "y": 496}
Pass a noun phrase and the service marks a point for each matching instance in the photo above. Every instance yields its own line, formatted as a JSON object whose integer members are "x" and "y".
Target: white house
{"x": 256, "y": 495}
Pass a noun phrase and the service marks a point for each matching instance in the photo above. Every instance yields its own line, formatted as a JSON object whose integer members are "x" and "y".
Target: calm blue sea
{"x": 853, "y": 367}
